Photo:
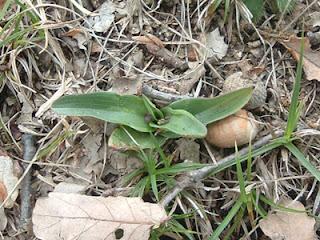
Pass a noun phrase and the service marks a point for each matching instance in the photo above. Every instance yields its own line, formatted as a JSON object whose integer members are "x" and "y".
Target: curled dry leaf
{"x": 289, "y": 225}
{"x": 156, "y": 47}
{"x": 74, "y": 216}
{"x": 311, "y": 58}
{"x": 8, "y": 180}
{"x": 149, "y": 39}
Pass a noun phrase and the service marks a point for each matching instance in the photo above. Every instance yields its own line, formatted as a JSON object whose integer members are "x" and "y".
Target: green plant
{"x": 16, "y": 27}
{"x": 141, "y": 117}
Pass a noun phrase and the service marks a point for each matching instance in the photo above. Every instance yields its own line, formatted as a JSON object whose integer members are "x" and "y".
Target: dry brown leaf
{"x": 8, "y": 179}
{"x": 149, "y": 39}
{"x": 311, "y": 58}
{"x": 289, "y": 225}
{"x": 74, "y": 216}
{"x": 127, "y": 85}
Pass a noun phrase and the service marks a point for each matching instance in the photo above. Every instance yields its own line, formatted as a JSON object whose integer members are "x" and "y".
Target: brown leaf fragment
{"x": 127, "y": 85}
{"x": 149, "y": 39}
{"x": 155, "y": 47}
{"x": 288, "y": 225}
{"x": 311, "y": 58}
{"x": 74, "y": 216}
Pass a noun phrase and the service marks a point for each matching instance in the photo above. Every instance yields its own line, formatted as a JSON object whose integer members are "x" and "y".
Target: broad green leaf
{"x": 126, "y": 138}
{"x": 152, "y": 109}
{"x": 182, "y": 123}
{"x": 127, "y": 110}
{"x": 208, "y": 110}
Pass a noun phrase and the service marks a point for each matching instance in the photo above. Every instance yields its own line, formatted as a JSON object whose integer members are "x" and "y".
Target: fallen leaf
{"x": 155, "y": 47}
{"x": 149, "y": 39}
{"x": 124, "y": 163}
{"x": 215, "y": 44}
{"x": 289, "y": 225}
{"x": 127, "y": 85}
{"x": 8, "y": 179}
{"x": 311, "y": 59}
{"x": 189, "y": 150}
{"x": 192, "y": 76}
{"x": 105, "y": 16}
{"x": 79, "y": 35}
{"x": 74, "y": 216}
{"x": 104, "y": 19}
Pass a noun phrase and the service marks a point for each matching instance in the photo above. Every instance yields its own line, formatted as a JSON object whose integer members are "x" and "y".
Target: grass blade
{"x": 242, "y": 186}
{"x": 234, "y": 210}
{"x": 303, "y": 160}
{"x": 294, "y": 106}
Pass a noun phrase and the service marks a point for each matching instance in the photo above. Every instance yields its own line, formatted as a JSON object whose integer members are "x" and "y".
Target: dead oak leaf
{"x": 75, "y": 216}
{"x": 289, "y": 225}
{"x": 311, "y": 58}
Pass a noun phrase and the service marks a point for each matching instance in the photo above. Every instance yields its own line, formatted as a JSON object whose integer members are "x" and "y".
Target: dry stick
{"x": 197, "y": 175}
{"x": 26, "y": 191}
{"x": 155, "y": 94}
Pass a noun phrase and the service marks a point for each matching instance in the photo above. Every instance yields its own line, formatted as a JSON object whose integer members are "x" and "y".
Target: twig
{"x": 197, "y": 175}
{"x": 26, "y": 191}
{"x": 155, "y": 94}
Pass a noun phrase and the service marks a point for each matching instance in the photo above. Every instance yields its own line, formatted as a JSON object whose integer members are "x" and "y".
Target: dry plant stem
{"x": 155, "y": 94}
{"x": 26, "y": 191}
{"x": 197, "y": 175}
